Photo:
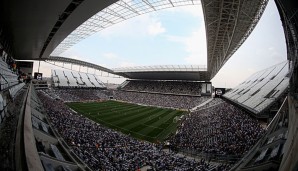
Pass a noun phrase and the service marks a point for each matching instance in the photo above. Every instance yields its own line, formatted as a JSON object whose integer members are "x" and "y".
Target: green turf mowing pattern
{"x": 127, "y": 114}
{"x": 126, "y": 119}
{"x": 143, "y": 122}
{"x": 157, "y": 124}
{"x": 143, "y": 119}
{"x": 136, "y": 119}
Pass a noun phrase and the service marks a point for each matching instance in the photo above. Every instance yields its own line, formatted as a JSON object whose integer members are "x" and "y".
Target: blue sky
{"x": 177, "y": 36}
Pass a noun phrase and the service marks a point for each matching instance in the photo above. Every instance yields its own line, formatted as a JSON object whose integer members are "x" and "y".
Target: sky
{"x": 176, "y": 36}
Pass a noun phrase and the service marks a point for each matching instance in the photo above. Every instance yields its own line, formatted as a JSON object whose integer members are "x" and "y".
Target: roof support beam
{"x": 228, "y": 23}
{"x": 114, "y": 13}
{"x": 172, "y": 3}
{"x": 150, "y": 5}
{"x": 78, "y": 62}
{"x": 125, "y": 5}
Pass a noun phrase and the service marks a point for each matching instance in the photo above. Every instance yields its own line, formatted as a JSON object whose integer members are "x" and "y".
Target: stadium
{"x": 162, "y": 117}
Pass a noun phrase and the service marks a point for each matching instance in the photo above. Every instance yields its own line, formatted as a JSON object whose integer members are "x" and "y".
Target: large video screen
{"x": 37, "y": 76}
{"x": 218, "y": 92}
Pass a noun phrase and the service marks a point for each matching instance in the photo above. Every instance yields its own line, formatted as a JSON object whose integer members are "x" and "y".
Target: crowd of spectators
{"x": 213, "y": 102}
{"x": 162, "y": 100}
{"x": 105, "y": 149}
{"x": 151, "y": 99}
{"x": 217, "y": 128}
{"x": 74, "y": 95}
{"x": 221, "y": 129}
{"x": 165, "y": 87}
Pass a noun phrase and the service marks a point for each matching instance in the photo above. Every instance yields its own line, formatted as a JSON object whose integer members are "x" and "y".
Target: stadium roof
{"x": 165, "y": 72}
{"x": 33, "y": 29}
{"x": 115, "y": 13}
{"x": 228, "y": 23}
{"x": 78, "y": 62}
{"x": 158, "y": 72}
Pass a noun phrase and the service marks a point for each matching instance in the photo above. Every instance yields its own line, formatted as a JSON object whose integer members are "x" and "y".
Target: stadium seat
{"x": 56, "y": 152}
{"x": 73, "y": 79}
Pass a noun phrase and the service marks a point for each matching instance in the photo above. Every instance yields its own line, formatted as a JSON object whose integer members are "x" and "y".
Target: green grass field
{"x": 143, "y": 122}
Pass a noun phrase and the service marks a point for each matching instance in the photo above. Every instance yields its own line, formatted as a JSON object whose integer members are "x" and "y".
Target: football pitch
{"x": 142, "y": 122}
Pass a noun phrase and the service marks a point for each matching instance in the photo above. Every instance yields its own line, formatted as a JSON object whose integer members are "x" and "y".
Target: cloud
{"x": 116, "y": 61}
{"x": 74, "y": 53}
{"x": 156, "y": 28}
{"x": 147, "y": 24}
{"x": 194, "y": 45}
{"x": 111, "y": 56}
{"x": 194, "y": 11}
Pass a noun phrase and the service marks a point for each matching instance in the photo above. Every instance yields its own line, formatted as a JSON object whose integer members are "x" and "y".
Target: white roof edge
{"x": 165, "y": 68}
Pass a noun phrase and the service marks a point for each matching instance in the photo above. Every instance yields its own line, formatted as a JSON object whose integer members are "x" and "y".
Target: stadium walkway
{"x": 202, "y": 104}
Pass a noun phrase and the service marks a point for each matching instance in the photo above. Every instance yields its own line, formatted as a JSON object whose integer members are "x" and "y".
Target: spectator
{"x": 171, "y": 101}
{"x": 104, "y": 149}
{"x": 222, "y": 129}
{"x": 165, "y": 87}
